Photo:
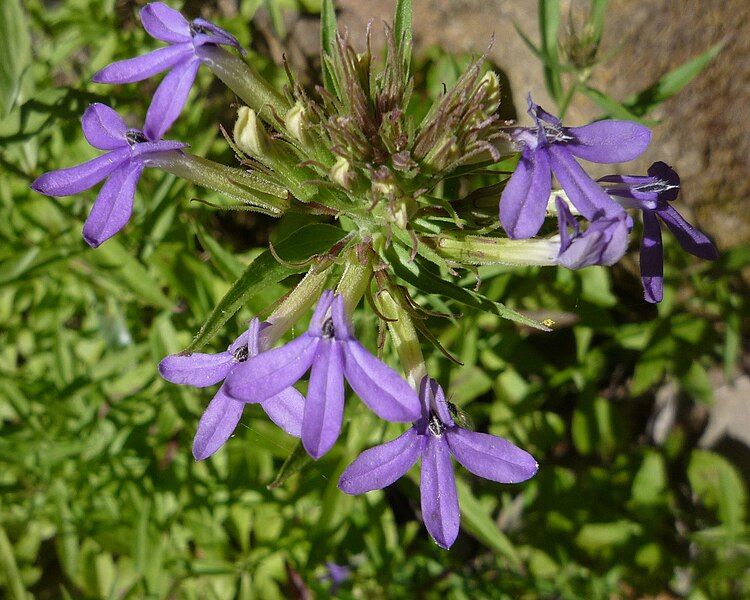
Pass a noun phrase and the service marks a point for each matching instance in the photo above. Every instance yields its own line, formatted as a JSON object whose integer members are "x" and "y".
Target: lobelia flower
{"x": 337, "y": 575}
{"x": 183, "y": 37}
{"x": 331, "y": 352}
{"x": 652, "y": 194}
{"x": 551, "y": 148}
{"x": 434, "y": 438}
{"x": 603, "y": 243}
{"x": 129, "y": 153}
{"x": 223, "y": 412}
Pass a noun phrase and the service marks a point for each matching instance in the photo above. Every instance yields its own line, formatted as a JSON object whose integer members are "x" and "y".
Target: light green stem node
{"x": 296, "y": 304}
{"x": 478, "y": 250}
{"x": 244, "y": 81}
{"x": 404, "y": 336}
{"x": 237, "y": 184}
{"x": 355, "y": 279}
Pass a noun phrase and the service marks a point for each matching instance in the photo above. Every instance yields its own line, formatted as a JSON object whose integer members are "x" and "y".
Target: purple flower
{"x": 337, "y": 574}
{"x": 652, "y": 194}
{"x": 223, "y": 412}
{"x": 330, "y": 348}
{"x": 434, "y": 438}
{"x": 184, "y": 38}
{"x": 129, "y": 152}
{"x": 603, "y": 243}
{"x": 551, "y": 148}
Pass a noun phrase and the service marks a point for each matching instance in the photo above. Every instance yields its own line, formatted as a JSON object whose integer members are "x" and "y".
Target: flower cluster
{"x": 351, "y": 152}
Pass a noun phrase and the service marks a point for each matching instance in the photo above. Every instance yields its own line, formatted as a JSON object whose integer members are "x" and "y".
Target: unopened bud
{"x": 490, "y": 86}
{"x": 342, "y": 173}
{"x": 296, "y": 122}
{"x": 249, "y": 133}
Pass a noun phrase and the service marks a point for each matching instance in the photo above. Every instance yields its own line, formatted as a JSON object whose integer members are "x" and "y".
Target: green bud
{"x": 342, "y": 173}
{"x": 249, "y": 134}
{"x": 490, "y": 86}
{"x": 480, "y": 250}
{"x": 296, "y": 122}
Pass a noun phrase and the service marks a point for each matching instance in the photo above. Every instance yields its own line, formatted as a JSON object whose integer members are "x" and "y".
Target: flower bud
{"x": 342, "y": 173}
{"x": 296, "y": 122}
{"x": 249, "y": 133}
{"x": 490, "y": 86}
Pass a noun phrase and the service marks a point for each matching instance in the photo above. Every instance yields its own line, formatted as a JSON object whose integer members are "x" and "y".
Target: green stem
{"x": 355, "y": 279}
{"x": 244, "y": 81}
{"x": 247, "y": 188}
{"x": 404, "y": 335}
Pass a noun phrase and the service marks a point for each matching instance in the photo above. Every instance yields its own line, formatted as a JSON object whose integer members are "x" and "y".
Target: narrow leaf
{"x": 294, "y": 463}
{"x": 265, "y": 270}
{"x": 402, "y": 28}
{"x": 15, "y": 53}
{"x": 418, "y": 273}
{"x": 477, "y": 522}
{"x": 327, "y": 43}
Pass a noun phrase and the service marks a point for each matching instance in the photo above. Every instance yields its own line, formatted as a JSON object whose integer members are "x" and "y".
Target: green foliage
{"x": 100, "y": 497}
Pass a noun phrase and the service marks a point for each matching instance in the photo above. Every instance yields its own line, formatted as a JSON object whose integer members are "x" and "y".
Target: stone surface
{"x": 704, "y": 131}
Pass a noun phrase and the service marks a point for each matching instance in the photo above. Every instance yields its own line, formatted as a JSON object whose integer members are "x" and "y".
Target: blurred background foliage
{"x": 99, "y": 494}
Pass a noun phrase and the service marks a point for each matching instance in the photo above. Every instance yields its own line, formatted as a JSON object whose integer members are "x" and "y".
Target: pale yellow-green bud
{"x": 296, "y": 122}
{"x": 249, "y": 133}
{"x": 490, "y": 86}
{"x": 342, "y": 173}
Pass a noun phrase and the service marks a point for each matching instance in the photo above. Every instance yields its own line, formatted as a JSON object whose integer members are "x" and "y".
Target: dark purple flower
{"x": 330, "y": 348}
{"x": 337, "y": 574}
{"x": 129, "y": 153}
{"x": 434, "y": 438}
{"x": 183, "y": 37}
{"x": 603, "y": 243}
{"x": 223, "y": 412}
{"x": 551, "y": 148}
{"x": 652, "y": 194}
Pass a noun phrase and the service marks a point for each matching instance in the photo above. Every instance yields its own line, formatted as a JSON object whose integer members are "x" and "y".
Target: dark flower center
{"x": 133, "y": 136}
{"x": 195, "y": 29}
{"x": 241, "y": 354}
{"x": 659, "y": 186}
{"x": 328, "y": 328}
{"x": 435, "y": 426}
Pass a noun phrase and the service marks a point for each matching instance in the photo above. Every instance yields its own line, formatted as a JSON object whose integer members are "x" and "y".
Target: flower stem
{"x": 404, "y": 335}
{"x": 244, "y": 81}
{"x": 355, "y": 279}
{"x": 247, "y": 188}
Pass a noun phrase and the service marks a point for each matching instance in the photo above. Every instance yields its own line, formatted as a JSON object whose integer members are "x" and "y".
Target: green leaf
{"x": 265, "y": 270}
{"x": 402, "y": 23}
{"x": 419, "y": 273}
{"x": 596, "y": 537}
{"x": 650, "y": 481}
{"x": 479, "y": 523}
{"x": 609, "y": 105}
{"x": 670, "y": 84}
{"x": 15, "y": 53}
{"x": 718, "y": 485}
{"x": 11, "y": 576}
{"x": 549, "y": 24}
{"x": 327, "y": 43}
{"x": 120, "y": 265}
{"x": 297, "y": 460}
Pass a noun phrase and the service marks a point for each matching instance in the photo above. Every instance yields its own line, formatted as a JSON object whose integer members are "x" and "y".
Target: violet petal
{"x": 382, "y": 465}
{"x": 609, "y": 141}
{"x": 585, "y": 194}
{"x": 286, "y": 409}
{"x": 197, "y": 369}
{"x": 652, "y": 259}
{"x": 217, "y": 424}
{"x": 523, "y": 203}
{"x": 438, "y": 490}
{"x": 383, "y": 390}
{"x": 490, "y": 456}
{"x": 103, "y": 127}
{"x": 165, "y": 23}
{"x": 142, "y": 67}
{"x": 113, "y": 206}
{"x": 73, "y": 180}
{"x": 691, "y": 239}
{"x": 170, "y": 98}
{"x": 270, "y": 372}
{"x": 324, "y": 405}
